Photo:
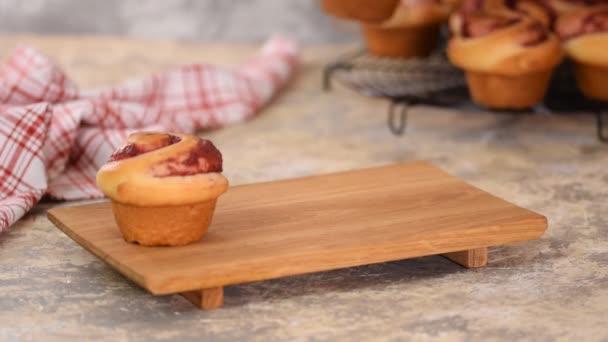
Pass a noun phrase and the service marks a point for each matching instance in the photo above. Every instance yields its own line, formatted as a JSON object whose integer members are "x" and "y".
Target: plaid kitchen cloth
{"x": 54, "y": 137}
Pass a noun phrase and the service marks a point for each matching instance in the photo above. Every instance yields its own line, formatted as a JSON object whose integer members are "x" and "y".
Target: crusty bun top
{"x": 417, "y": 13}
{"x": 535, "y": 9}
{"x": 392, "y": 14}
{"x": 585, "y": 34}
{"x": 503, "y": 43}
{"x": 162, "y": 169}
{"x": 559, "y": 7}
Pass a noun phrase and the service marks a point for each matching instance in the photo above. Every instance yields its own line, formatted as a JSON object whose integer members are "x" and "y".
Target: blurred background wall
{"x": 202, "y": 20}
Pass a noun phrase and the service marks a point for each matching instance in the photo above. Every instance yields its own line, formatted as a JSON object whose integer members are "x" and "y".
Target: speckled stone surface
{"x": 555, "y": 288}
{"x": 201, "y": 20}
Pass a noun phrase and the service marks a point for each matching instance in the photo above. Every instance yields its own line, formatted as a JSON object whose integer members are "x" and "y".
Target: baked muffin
{"x": 508, "y": 57}
{"x": 559, "y": 7}
{"x": 410, "y": 29}
{"x": 535, "y": 9}
{"x": 361, "y": 10}
{"x": 584, "y": 32}
{"x": 163, "y": 187}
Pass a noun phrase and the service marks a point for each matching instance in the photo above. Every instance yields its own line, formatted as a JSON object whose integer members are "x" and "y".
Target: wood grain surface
{"x": 477, "y": 257}
{"x": 269, "y": 230}
{"x": 206, "y": 299}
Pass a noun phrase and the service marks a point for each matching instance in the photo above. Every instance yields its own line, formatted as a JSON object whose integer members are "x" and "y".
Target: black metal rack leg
{"x": 328, "y": 71}
{"x": 397, "y": 123}
{"x": 600, "y": 126}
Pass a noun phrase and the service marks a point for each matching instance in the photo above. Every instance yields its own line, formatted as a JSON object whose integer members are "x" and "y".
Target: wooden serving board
{"x": 269, "y": 230}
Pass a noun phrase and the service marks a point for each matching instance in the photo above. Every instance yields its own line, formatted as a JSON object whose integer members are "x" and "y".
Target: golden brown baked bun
{"x": 585, "y": 35}
{"x": 559, "y": 7}
{"x": 508, "y": 58}
{"x": 532, "y": 8}
{"x": 412, "y": 30}
{"x": 401, "y": 28}
{"x": 163, "y": 187}
{"x": 361, "y": 10}
{"x": 401, "y": 42}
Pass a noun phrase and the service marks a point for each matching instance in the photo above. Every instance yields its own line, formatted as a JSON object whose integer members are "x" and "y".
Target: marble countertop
{"x": 555, "y": 288}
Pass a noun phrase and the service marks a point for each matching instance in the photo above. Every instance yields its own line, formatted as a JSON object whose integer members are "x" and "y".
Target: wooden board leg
{"x": 206, "y": 299}
{"x": 477, "y": 257}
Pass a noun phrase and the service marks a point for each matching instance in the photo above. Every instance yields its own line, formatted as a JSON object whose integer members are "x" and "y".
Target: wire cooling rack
{"x": 434, "y": 81}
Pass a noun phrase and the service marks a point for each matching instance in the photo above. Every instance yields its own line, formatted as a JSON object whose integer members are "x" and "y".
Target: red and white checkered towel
{"x": 54, "y": 137}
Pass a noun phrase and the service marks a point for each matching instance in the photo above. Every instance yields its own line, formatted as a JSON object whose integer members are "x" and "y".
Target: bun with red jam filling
{"x": 163, "y": 187}
{"x": 508, "y": 54}
{"x": 584, "y": 32}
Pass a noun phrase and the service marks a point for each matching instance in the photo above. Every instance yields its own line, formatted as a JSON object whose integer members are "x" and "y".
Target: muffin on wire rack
{"x": 400, "y": 29}
{"x": 585, "y": 35}
{"x": 508, "y": 56}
